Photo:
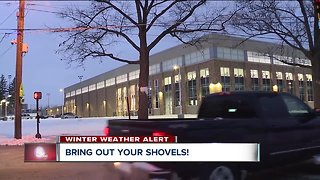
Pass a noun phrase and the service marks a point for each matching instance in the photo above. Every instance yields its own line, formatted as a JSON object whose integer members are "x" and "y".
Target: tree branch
{"x": 160, "y": 14}
{"x": 178, "y": 22}
{"x": 306, "y": 24}
{"x": 131, "y": 42}
{"x": 122, "y": 13}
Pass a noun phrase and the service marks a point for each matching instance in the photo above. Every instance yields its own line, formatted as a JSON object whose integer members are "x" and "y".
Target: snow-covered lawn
{"x": 50, "y": 129}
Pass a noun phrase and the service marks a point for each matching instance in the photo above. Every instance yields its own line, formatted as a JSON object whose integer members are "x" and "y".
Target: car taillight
{"x": 160, "y": 133}
{"x": 106, "y": 131}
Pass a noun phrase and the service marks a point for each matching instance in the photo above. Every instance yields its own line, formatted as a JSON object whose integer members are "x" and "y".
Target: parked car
{"x": 285, "y": 127}
{"x": 68, "y": 115}
{"x": 26, "y": 116}
{"x": 3, "y": 118}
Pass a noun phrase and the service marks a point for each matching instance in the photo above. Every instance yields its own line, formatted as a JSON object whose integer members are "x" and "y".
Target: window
{"x": 279, "y": 77}
{"x": 73, "y": 93}
{"x": 169, "y": 64}
{"x": 133, "y": 98}
{"x": 168, "y": 95}
{"x": 309, "y": 87}
{"x": 134, "y": 75}
{"x": 78, "y": 91}
{"x": 230, "y": 54}
{"x": 92, "y": 87}
{"x": 119, "y": 102}
{"x": 110, "y": 82}
{"x": 254, "y": 80}
{"x": 301, "y": 86}
{"x": 303, "y": 61}
{"x": 225, "y": 79}
{"x": 177, "y": 90}
{"x": 221, "y": 107}
{"x": 239, "y": 79}
{"x": 204, "y": 82}
{"x": 197, "y": 57}
{"x": 85, "y": 89}
{"x": 156, "y": 91}
{"x": 280, "y": 59}
{"x": 266, "y": 82}
{"x": 192, "y": 88}
{"x": 154, "y": 69}
{"x": 289, "y": 82}
{"x": 124, "y": 100}
{"x": 295, "y": 107}
{"x": 258, "y": 57}
{"x": 67, "y": 94}
{"x": 100, "y": 85}
{"x": 122, "y": 78}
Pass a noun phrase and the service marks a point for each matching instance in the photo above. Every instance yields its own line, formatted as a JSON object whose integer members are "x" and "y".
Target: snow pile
{"x": 51, "y": 128}
{"x": 28, "y": 139}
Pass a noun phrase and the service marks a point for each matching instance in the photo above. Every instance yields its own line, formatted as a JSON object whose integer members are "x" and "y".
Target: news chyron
{"x": 138, "y": 149}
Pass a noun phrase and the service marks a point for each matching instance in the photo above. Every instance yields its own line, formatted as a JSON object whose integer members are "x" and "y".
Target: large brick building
{"x": 237, "y": 65}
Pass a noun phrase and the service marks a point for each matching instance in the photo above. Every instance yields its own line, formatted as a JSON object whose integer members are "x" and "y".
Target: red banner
{"x": 117, "y": 139}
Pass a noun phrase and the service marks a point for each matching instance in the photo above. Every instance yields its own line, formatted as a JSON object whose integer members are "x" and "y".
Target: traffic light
{"x": 37, "y": 95}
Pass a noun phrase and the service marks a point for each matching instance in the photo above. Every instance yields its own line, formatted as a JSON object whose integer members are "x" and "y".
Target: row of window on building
{"x": 171, "y": 89}
{"x": 194, "y": 58}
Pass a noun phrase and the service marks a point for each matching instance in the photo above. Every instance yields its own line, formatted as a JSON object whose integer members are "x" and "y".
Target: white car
{"x": 68, "y": 115}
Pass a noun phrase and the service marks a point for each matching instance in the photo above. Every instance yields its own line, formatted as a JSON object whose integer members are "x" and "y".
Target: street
{"x": 13, "y": 167}
{"x": 300, "y": 171}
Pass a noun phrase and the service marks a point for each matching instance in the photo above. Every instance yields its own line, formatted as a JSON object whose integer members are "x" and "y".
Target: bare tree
{"x": 294, "y": 23}
{"x": 106, "y": 23}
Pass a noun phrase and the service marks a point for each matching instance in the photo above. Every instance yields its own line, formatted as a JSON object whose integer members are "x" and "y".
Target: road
{"x": 299, "y": 171}
{"x": 12, "y": 167}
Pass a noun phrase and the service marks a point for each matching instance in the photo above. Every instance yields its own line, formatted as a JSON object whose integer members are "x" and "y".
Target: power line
{"x": 40, "y": 10}
{"x": 5, "y": 51}
{"x": 8, "y": 16}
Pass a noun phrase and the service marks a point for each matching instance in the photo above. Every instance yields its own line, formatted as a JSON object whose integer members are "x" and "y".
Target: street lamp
{"x": 48, "y": 94}
{"x": 61, "y": 90}
{"x": 179, "y": 76}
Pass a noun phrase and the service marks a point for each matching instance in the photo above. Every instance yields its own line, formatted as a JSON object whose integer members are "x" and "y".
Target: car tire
{"x": 221, "y": 171}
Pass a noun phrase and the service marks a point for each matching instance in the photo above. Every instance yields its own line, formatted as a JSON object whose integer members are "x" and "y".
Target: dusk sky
{"x": 42, "y": 68}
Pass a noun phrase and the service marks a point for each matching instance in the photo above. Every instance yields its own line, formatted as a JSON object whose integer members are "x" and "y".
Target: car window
{"x": 235, "y": 107}
{"x": 295, "y": 106}
{"x": 272, "y": 106}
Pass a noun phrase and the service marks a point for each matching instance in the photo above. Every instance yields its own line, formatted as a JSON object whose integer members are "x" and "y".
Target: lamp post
{"x": 179, "y": 76}
{"x": 61, "y": 90}
{"x": 48, "y": 94}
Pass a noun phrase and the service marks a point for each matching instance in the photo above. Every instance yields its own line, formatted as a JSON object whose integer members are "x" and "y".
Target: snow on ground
{"x": 27, "y": 139}
{"x": 50, "y": 128}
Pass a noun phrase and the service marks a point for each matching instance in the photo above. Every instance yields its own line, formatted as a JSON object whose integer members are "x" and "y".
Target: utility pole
{"x": 17, "y": 119}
